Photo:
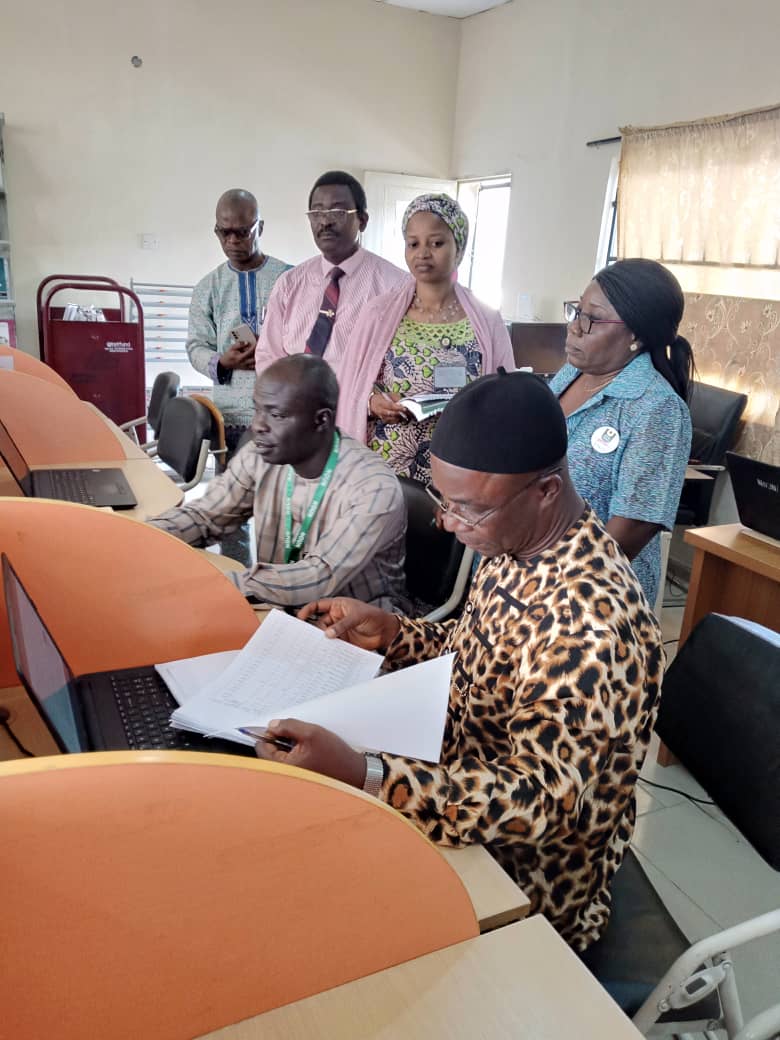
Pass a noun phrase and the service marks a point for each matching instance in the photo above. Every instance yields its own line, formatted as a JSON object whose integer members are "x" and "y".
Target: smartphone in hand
{"x": 243, "y": 334}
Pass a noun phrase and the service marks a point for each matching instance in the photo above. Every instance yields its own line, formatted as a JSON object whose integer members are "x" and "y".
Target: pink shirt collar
{"x": 349, "y": 266}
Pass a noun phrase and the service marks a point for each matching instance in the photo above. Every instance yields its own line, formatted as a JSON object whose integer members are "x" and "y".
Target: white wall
{"x": 539, "y": 78}
{"x": 259, "y": 94}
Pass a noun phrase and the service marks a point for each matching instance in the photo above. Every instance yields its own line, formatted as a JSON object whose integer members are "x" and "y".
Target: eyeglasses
{"x": 573, "y": 312}
{"x": 336, "y": 216}
{"x": 474, "y": 521}
{"x": 237, "y": 232}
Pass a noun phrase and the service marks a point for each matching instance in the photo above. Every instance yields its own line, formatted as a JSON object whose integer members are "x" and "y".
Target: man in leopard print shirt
{"x": 557, "y": 677}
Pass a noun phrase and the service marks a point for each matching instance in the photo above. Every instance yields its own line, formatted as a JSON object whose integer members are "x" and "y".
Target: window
{"x": 486, "y": 204}
{"x": 607, "y": 248}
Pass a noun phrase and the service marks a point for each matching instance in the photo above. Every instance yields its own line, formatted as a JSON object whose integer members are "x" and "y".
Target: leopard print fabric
{"x": 554, "y": 695}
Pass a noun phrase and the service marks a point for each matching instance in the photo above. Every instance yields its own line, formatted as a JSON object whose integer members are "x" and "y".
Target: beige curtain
{"x": 702, "y": 193}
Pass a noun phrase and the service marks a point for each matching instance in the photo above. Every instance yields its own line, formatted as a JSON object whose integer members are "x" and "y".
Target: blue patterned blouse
{"x": 628, "y": 449}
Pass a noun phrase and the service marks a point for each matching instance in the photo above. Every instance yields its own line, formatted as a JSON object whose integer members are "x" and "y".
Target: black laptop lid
{"x": 14, "y": 460}
{"x": 41, "y": 667}
{"x": 757, "y": 493}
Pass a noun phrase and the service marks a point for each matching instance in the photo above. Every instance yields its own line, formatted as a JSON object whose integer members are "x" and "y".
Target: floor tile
{"x": 695, "y": 923}
{"x": 645, "y": 801}
{"x": 720, "y": 872}
{"x": 757, "y": 966}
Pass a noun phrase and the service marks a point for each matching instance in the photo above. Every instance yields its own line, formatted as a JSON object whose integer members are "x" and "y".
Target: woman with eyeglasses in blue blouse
{"x": 624, "y": 392}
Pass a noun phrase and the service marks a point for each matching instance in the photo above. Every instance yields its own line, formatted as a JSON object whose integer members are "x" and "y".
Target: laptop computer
{"x": 757, "y": 492}
{"x": 106, "y": 711}
{"x": 88, "y": 486}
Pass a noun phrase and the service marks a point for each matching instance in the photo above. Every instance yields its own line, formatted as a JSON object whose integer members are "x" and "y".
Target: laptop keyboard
{"x": 145, "y": 707}
{"x": 71, "y": 486}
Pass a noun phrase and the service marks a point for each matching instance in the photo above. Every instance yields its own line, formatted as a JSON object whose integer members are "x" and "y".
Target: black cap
{"x": 505, "y": 423}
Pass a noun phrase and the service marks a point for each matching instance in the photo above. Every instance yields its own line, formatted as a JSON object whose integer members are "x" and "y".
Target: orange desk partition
{"x": 51, "y": 425}
{"x": 164, "y": 895}
{"x": 116, "y": 593}
{"x": 33, "y": 367}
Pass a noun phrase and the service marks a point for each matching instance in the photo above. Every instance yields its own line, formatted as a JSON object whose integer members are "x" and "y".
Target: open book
{"x": 290, "y": 669}
{"x": 423, "y": 406}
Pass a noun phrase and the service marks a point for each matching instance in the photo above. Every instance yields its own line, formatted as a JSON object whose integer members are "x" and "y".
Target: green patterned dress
{"x": 417, "y": 348}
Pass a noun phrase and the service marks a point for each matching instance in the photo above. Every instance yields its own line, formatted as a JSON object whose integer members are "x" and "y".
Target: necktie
{"x": 319, "y": 336}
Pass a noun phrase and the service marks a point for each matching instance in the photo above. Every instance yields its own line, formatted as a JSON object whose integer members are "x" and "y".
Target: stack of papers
{"x": 291, "y": 669}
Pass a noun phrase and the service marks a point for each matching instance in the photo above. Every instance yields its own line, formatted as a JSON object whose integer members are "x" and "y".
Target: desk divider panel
{"x": 52, "y": 426}
{"x": 163, "y": 895}
{"x": 114, "y": 592}
{"x": 31, "y": 366}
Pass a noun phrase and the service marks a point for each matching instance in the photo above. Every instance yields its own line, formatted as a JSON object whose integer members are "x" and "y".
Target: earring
{"x": 634, "y": 346}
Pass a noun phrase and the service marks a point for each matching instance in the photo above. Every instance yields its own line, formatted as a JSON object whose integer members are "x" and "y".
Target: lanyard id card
{"x": 293, "y": 546}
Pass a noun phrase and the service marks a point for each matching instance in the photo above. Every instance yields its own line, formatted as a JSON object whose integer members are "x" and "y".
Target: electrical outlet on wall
{"x": 149, "y": 241}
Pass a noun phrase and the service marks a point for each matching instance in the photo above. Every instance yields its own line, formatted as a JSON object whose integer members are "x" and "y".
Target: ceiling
{"x": 452, "y": 8}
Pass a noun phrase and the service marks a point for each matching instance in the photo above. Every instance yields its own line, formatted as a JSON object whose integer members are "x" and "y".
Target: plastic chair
{"x": 438, "y": 566}
{"x": 715, "y": 415}
{"x": 719, "y": 715}
{"x": 166, "y": 895}
{"x": 164, "y": 389}
{"x": 184, "y": 441}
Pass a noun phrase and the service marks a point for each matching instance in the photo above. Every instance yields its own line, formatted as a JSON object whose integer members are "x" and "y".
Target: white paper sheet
{"x": 188, "y": 676}
{"x": 286, "y": 662}
{"x": 402, "y": 712}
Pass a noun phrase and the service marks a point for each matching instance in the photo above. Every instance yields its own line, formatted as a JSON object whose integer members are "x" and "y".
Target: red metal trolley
{"x": 102, "y": 360}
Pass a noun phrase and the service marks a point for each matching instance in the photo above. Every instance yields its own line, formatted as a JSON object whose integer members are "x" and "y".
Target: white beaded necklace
{"x": 441, "y": 315}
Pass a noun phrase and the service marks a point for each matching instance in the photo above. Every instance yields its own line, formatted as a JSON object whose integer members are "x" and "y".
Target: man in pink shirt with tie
{"x": 313, "y": 307}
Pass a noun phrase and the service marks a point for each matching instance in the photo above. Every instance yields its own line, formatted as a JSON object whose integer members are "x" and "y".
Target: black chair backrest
{"x": 166, "y": 387}
{"x": 720, "y": 714}
{"x": 715, "y": 413}
{"x": 185, "y": 425}
{"x": 432, "y": 556}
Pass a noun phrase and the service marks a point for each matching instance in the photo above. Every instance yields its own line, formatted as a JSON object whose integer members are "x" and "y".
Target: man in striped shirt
{"x": 329, "y": 515}
{"x": 337, "y": 214}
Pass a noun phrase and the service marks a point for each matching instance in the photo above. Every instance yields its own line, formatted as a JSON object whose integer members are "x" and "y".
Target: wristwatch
{"x": 375, "y": 774}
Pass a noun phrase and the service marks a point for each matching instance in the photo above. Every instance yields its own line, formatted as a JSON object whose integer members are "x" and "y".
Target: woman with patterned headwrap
{"x": 404, "y": 336}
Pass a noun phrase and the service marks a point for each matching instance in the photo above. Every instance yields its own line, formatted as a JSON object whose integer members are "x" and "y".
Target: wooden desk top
{"x": 730, "y": 543}
{"x": 697, "y": 474}
{"x": 520, "y": 982}
{"x": 496, "y": 899}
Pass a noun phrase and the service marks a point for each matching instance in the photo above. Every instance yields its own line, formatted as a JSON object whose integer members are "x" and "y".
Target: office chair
{"x": 164, "y": 389}
{"x": 715, "y": 415}
{"x": 438, "y": 566}
{"x": 720, "y": 715}
{"x": 218, "y": 445}
{"x": 184, "y": 440}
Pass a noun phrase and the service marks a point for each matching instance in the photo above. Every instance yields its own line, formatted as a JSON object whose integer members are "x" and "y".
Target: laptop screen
{"x": 41, "y": 666}
{"x": 13, "y": 458}
{"x": 757, "y": 493}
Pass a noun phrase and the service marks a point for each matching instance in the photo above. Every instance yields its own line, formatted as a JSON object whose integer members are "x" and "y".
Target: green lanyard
{"x": 293, "y": 546}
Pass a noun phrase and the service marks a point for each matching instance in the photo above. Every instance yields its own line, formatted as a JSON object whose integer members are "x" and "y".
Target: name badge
{"x": 605, "y": 440}
{"x": 449, "y": 376}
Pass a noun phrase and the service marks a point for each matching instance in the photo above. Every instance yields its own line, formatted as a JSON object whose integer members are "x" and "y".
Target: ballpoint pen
{"x": 261, "y": 733}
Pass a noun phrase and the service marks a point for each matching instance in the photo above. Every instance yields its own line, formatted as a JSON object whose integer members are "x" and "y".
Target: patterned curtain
{"x": 703, "y": 193}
